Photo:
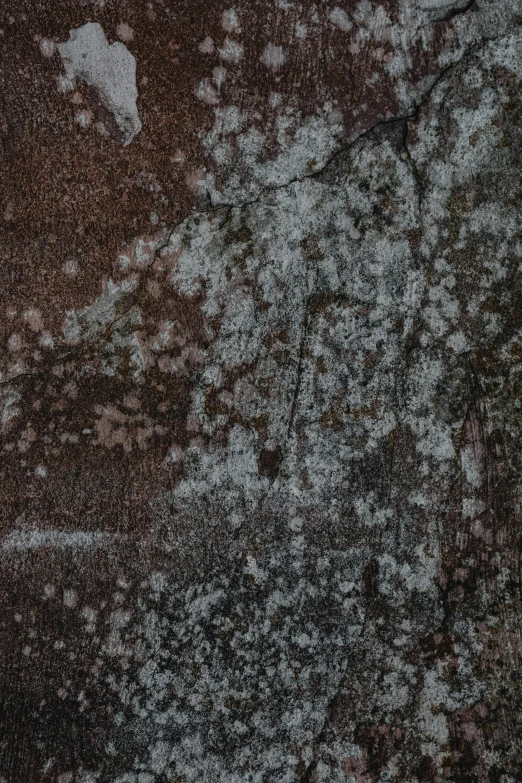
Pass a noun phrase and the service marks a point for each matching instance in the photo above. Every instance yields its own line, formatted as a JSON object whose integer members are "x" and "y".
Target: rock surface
{"x": 261, "y": 391}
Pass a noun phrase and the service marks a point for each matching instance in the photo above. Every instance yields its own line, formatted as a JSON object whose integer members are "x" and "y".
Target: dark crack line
{"x": 267, "y": 189}
{"x": 411, "y": 115}
{"x": 450, "y": 14}
{"x": 421, "y": 187}
{"x": 412, "y": 165}
{"x": 322, "y": 736}
{"x": 305, "y": 324}
{"x": 457, "y": 11}
{"x": 299, "y": 373}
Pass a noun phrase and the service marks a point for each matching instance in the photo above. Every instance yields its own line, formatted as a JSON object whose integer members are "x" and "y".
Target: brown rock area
{"x": 260, "y": 391}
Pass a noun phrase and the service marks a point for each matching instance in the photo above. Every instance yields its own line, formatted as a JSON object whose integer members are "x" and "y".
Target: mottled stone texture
{"x": 260, "y": 391}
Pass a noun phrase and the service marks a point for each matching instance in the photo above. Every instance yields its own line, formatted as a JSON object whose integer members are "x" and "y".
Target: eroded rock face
{"x": 261, "y": 469}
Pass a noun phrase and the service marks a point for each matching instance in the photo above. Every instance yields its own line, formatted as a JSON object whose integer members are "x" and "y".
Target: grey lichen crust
{"x": 306, "y": 287}
{"x": 355, "y": 613}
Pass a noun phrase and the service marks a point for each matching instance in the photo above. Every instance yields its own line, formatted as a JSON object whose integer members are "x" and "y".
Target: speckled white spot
{"x": 340, "y": 19}
{"x": 47, "y": 47}
{"x": 231, "y": 51}
{"x": 273, "y": 56}
{"x": 230, "y": 20}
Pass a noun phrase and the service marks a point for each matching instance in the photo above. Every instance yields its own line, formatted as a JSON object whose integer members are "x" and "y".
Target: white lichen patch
{"x": 109, "y": 69}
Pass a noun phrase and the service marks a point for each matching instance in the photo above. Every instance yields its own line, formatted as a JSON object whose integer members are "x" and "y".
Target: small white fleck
{"x": 46, "y": 340}
{"x": 219, "y": 75}
{"x": 14, "y": 342}
{"x": 49, "y": 591}
{"x": 231, "y": 51}
{"x": 273, "y": 56}
{"x": 207, "y": 45}
{"x": 70, "y": 598}
{"x": 458, "y": 342}
{"x": 124, "y": 32}
{"x": 47, "y": 47}
{"x": 339, "y": 18}
{"x": 207, "y": 93}
{"x": 230, "y": 21}
{"x": 64, "y": 84}
{"x": 301, "y": 31}
{"x": 71, "y": 268}
{"x": 83, "y": 118}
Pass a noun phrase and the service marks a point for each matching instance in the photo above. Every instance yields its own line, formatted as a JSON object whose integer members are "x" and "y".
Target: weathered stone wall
{"x": 261, "y": 391}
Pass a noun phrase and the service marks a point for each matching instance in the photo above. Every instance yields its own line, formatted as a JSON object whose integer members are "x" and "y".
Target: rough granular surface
{"x": 261, "y": 391}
